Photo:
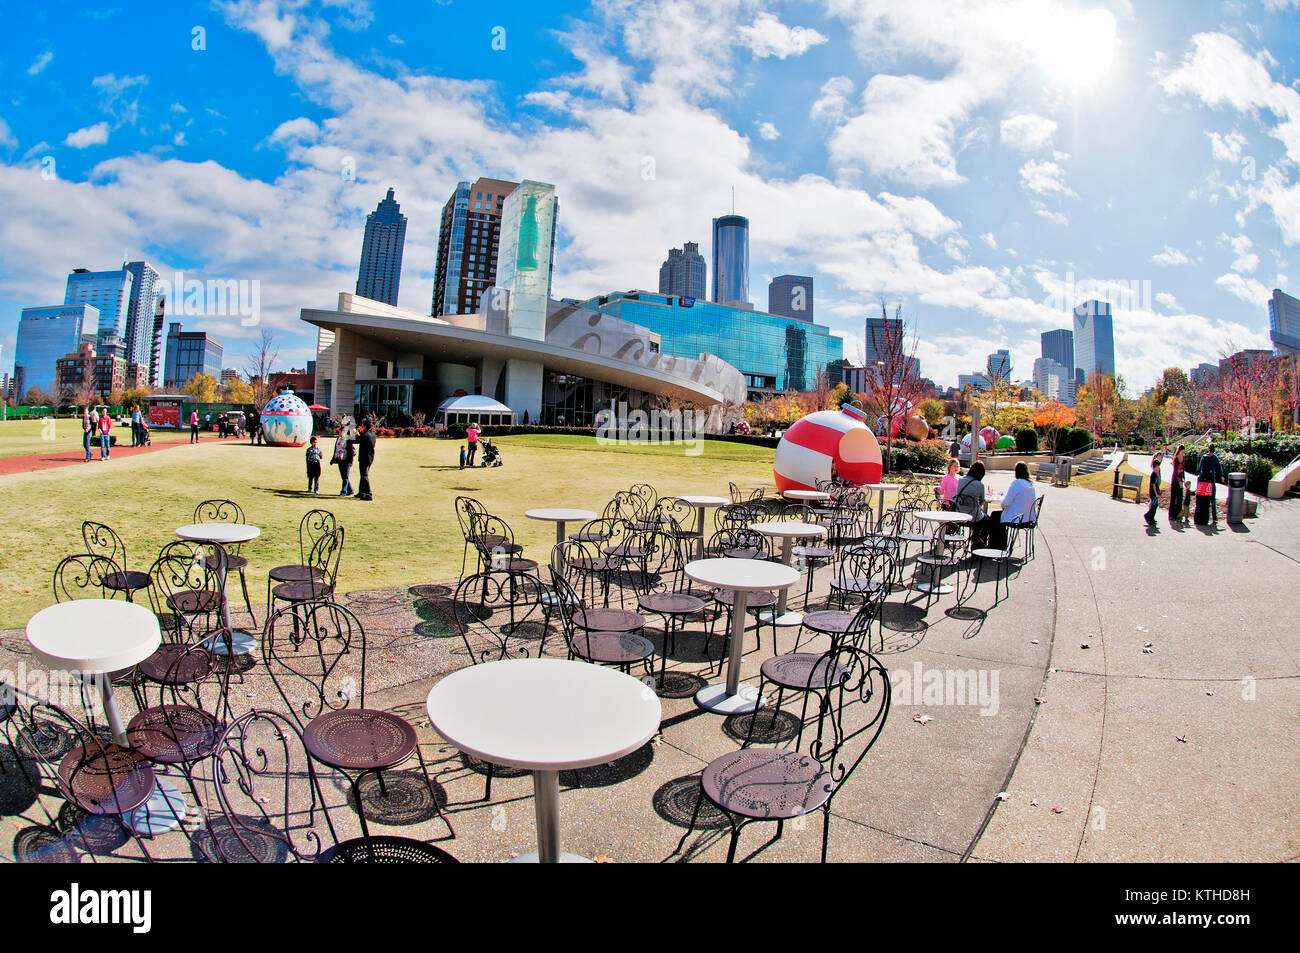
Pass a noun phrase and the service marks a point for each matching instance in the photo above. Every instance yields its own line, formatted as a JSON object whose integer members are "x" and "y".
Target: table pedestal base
{"x": 164, "y": 810}
{"x": 941, "y": 589}
{"x": 714, "y": 698}
{"x": 535, "y": 858}
{"x": 785, "y": 619}
{"x": 241, "y": 643}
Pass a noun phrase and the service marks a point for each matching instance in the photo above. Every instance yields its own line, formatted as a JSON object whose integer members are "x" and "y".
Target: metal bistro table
{"x": 806, "y": 496}
{"x": 742, "y": 576}
{"x": 880, "y": 489}
{"x": 939, "y": 516}
{"x": 559, "y": 516}
{"x": 702, "y": 503}
{"x": 548, "y": 716}
{"x": 788, "y": 531}
{"x": 97, "y": 637}
{"x": 227, "y": 534}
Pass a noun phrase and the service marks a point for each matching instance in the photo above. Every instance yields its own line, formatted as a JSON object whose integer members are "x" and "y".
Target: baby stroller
{"x": 145, "y": 439}
{"x": 491, "y": 455}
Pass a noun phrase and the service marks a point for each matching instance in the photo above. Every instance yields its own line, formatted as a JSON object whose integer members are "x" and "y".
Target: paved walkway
{"x": 1185, "y": 749}
{"x": 31, "y": 462}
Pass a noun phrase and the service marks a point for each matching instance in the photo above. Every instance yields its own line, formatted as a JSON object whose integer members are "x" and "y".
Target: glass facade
{"x": 1094, "y": 339}
{"x": 140, "y": 312}
{"x": 1284, "y": 322}
{"x": 110, "y": 293}
{"x": 570, "y": 401}
{"x": 393, "y": 400}
{"x": 190, "y": 353}
{"x": 730, "y": 259}
{"x": 44, "y": 336}
{"x": 763, "y": 347}
{"x": 380, "y": 273}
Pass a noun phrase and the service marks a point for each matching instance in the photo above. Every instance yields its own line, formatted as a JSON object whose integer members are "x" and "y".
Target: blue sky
{"x": 983, "y": 162}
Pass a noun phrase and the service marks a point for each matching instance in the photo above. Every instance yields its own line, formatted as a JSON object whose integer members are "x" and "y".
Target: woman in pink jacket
{"x": 105, "y": 435}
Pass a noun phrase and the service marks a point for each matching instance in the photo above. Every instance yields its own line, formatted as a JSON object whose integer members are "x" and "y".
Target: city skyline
{"x": 996, "y": 200}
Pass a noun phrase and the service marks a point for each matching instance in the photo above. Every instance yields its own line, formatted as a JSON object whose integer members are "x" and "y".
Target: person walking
{"x": 342, "y": 458}
{"x": 105, "y": 435}
{"x": 1153, "y": 487}
{"x": 87, "y": 431}
{"x": 253, "y": 428}
{"x": 471, "y": 434}
{"x": 1176, "y": 485}
{"x": 136, "y": 438}
{"x": 313, "y": 467}
{"x": 365, "y": 441}
{"x": 1211, "y": 469}
{"x": 194, "y": 426}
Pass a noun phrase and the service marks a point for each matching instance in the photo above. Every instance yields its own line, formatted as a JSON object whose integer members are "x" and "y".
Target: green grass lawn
{"x": 408, "y": 535}
{"x": 20, "y": 438}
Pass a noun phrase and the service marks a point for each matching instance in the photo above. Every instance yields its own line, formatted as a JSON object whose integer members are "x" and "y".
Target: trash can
{"x": 1236, "y": 497}
{"x": 1063, "y": 467}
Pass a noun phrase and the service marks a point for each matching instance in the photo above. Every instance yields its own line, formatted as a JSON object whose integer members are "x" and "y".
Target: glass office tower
{"x": 791, "y": 296}
{"x": 140, "y": 312}
{"x": 44, "y": 336}
{"x": 190, "y": 353}
{"x": 730, "y": 259}
{"x": 1284, "y": 322}
{"x": 1094, "y": 339}
{"x": 109, "y": 292}
{"x": 381, "y": 252}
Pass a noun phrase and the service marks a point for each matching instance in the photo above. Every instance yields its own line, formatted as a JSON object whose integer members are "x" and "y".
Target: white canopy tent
{"x": 473, "y": 408}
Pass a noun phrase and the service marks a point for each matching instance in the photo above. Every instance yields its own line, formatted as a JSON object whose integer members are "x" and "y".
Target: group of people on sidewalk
{"x": 360, "y": 448}
{"x": 1209, "y": 473}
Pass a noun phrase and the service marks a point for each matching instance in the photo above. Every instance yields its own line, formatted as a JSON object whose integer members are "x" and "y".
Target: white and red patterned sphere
{"x": 990, "y": 435}
{"x": 838, "y": 438}
{"x": 965, "y": 442}
{"x": 286, "y": 421}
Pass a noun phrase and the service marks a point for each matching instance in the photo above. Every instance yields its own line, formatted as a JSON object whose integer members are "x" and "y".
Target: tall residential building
{"x": 684, "y": 273}
{"x": 44, "y": 336}
{"x": 1203, "y": 373}
{"x": 155, "y": 342}
{"x": 140, "y": 312}
{"x": 1284, "y": 322}
{"x": 190, "y": 353}
{"x": 468, "y": 240}
{"x": 1094, "y": 339}
{"x": 791, "y": 296}
{"x": 110, "y": 293}
{"x": 381, "y": 252}
{"x": 999, "y": 365}
{"x": 730, "y": 260}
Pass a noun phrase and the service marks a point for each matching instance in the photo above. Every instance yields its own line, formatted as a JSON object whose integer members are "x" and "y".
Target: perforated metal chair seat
{"x": 359, "y": 739}
{"x": 385, "y": 850}
{"x": 767, "y": 783}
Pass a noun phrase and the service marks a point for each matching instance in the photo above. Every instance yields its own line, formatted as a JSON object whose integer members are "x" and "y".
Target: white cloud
{"x": 990, "y": 240}
{"x": 1170, "y": 256}
{"x": 768, "y": 36}
{"x": 1027, "y": 132}
{"x": 768, "y": 131}
{"x": 119, "y": 96}
{"x": 1167, "y": 301}
{"x": 7, "y": 139}
{"x": 1060, "y": 218}
{"x": 1226, "y": 148}
{"x": 1247, "y": 289}
{"x": 396, "y": 40}
{"x": 95, "y": 135}
{"x": 40, "y": 63}
{"x": 832, "y": 105}
{"x": 1044, "y": 178}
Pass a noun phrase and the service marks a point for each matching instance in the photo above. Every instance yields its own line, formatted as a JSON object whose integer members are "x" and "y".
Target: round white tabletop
{"x": 544, "y": 714}
{"x": 224, "y": 533}
{"x": 942, "y": 516}
{"x": 882, "y": 487}
{"x": 93, "y": 635}
{"x": 560, "y": 515}
{"x": 811, "y": 495}
{"x": 703, "y": 501}
{"x": 742, "y": 575}
{"x": 788, "y": 529}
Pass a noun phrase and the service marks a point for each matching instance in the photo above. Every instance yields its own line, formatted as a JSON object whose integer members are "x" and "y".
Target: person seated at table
{"x": 1020, "y": 505}
{"x": 968, "y": 497}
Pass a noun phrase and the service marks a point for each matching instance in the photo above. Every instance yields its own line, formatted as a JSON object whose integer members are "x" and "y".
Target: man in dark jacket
{"x": 1211, "y": 468}
{"x": 365, "y": 441}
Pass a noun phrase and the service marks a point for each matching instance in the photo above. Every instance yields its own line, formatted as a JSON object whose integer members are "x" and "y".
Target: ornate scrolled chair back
{"x": 852, "y": 714}
{"x": 500, "y": 614}
{"x": 81, "y": 576}
{"x": 315, "y": 653}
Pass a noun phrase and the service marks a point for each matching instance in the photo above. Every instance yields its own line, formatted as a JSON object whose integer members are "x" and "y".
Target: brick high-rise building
{"x": 467, "y": 245}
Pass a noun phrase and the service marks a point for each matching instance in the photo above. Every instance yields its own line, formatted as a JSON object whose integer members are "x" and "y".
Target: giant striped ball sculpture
{"x": 286, "y": 421}
{"x": 838, "y": 438}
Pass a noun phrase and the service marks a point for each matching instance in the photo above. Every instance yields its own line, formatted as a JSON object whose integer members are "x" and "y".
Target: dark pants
{"x": 194, "y": 433}
{"x": 345, "y": 470}
{"x": 1175, "y": 500}
{"x": 363, "y": 488}
{"x": 469, "y": 457}
{"x": 85, "y": 442}
{"x": 313, "y": 477}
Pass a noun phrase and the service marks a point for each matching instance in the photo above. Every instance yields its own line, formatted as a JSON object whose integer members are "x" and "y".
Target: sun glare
{"x": 1078, "y": 49}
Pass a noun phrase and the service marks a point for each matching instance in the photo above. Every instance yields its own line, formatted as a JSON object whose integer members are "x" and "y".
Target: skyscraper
{"x": 155, "y": 342}
{"x": 1094, "y": 339}
{"x": 140, "y": 312}
{"x": 1284, "y": 322}
{"x": 44, "y": 336}
{"x": 467, "y": 245}
{"x": 730, "y": 259}
{"x": 684, "y": 273}
{"x": 999, "y": 365}
{"x": 190, "y": 353}
{"x": 381, "y": 252}
{"x": 109, "y": 292}
{"x": 1054, "y": 380}
{"x": 1058, "y": 346}
{"x": 882, "y": 335}
{"x": 791, "y": 296}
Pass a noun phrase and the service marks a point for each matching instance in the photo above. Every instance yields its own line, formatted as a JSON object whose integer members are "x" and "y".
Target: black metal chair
{"x": 82, "y": 576}
{"x": 228, "y": 511}
{"x": 497, "y": 611}
{"x": 270, "y": 802}
{"x": 604, "y": 636}
{"x": 779, "y": 785}
{"x": 664, "y": 590}
{"x": 861, "y": 572}
{"x": 323, "y": 564}
{"x": 466, "y": 509}
{"x": 494, "y": 542}
{"x": 102, "y": 540}
{"x": 188, "y": 590}
{"x": 946, "y": 551}
{"x": 315, "y": 653}
{"x": 314, "y": 525}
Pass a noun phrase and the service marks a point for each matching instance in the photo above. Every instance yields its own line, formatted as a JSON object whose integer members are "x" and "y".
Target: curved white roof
{"x": 474, "y": 403}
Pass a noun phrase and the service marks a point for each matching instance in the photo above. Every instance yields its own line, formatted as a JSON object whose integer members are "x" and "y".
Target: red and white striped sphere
{"x": 838, "y": 438}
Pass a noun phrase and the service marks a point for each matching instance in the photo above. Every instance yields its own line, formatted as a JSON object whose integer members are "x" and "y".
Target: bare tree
{"x": 262, "y": 358}
{"x": 893, "y": 380}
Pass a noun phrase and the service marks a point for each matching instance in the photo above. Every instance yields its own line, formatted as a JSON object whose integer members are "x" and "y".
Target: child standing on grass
{"x": 313, "y": 467}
